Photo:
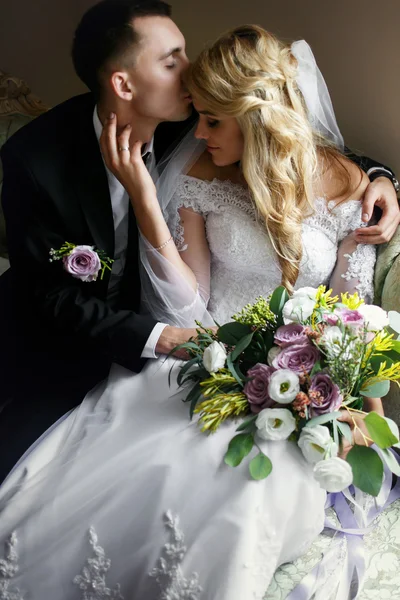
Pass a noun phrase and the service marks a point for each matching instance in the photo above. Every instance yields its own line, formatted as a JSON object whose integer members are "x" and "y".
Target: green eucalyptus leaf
{"x": 345, "y": 430}
{"x": 233, "y": 371}
{"x": 260, "y": 466}
{"x": 278, "y": 300}
{"x": 232, "y": 333}
{"x": 247, "y": 423}
{"x": 394, "y": 320}
{"x": 376, "y": 361}
{"x": 185, "y": 368}
{"x": 367, "y": 467}
{"x": 390, "y": 460}
{"x": 242, "y": 345}
{"x": 321, "y": 419}
{"x": 376, "y": 390}
{"x": 239, "y": 447}
{"x": 379, "y": 430}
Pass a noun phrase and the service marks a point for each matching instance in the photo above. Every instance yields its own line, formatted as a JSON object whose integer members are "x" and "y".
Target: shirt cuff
{"x": 149, "y": 350}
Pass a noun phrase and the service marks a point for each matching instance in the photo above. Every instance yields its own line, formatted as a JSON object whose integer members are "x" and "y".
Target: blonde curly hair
{"x": 250, "y": 75}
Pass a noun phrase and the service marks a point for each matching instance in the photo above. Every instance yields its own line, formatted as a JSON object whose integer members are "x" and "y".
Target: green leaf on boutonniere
{"x": 376, "y": 390}
{"x": 232, "y": 333}
{"x": 367, "y": 467}
{"x": 260, "y": 466}
{"x": 239, "y": 447}
{"x": 379, "y": 430}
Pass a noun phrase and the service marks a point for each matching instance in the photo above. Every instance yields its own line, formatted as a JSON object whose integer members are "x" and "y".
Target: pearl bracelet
{"x": 164, "y": 244}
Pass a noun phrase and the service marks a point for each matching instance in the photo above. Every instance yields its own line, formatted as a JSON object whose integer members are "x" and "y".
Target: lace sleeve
{"x": 166, "y": 293}
{"x": 354, "y": 270}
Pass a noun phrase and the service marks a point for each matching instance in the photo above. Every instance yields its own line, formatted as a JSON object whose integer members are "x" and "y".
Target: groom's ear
{"x": 122, "y": 85}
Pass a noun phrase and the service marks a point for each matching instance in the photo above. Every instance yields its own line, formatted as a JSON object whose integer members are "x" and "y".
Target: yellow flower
{"x": 220, "y": 407}
{"x": 352, "y": 302}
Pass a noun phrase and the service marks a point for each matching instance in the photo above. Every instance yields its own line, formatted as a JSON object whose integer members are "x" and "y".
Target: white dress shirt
{"x": 120, "y": 209}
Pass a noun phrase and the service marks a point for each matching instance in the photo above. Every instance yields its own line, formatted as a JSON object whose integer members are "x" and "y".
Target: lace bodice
{"x": 243, "y": 262}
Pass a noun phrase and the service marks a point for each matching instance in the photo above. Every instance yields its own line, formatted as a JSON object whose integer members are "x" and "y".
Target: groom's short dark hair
{"x": 105, "y": 32}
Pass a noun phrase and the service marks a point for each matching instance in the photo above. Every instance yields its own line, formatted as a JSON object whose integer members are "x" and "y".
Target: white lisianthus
{"x": 316, "y": 443}
{"x": 284, "y": 385}
{"x": 214, "y": 357}
{"x": 333, "y": 474}
{"x": 273, "y": 353}
{"x": 300, "y": 306}
{"x": 275, "y": 424}
{"x": 333, "y": 339}
{"x": 375, "y": 317}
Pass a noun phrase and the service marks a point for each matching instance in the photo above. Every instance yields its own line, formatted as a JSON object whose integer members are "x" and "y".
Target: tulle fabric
{"x": 123, "y": 460}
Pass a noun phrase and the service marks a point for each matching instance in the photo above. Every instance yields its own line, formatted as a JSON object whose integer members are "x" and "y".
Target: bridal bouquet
{"x": 288, "y": 368}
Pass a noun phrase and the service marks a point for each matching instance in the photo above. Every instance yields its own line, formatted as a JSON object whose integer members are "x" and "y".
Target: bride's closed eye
{"x": 212, "y": 123}
{"x": 171, "y": 65}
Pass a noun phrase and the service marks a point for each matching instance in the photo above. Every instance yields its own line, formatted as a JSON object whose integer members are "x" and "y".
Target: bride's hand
{"x": 124, "y": 159}
{"x": 358, "y": 428}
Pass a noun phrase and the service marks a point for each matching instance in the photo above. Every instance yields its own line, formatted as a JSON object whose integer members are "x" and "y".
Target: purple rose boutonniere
{"x": 82, "y": 262}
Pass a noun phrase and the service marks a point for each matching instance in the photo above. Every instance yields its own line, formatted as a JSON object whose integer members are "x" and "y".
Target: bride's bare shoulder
{"x": 205, "y": 169}
{"x": 341, "y": 179}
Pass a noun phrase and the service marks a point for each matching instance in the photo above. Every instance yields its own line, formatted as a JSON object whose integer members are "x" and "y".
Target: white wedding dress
{"x": 126, "y": 498}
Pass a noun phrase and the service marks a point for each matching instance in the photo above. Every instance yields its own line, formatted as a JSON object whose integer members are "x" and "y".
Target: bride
{"x": 126, "y": 498}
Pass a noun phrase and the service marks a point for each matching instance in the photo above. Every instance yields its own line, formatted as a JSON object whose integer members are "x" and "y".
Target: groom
{"x": 62, "y": 333}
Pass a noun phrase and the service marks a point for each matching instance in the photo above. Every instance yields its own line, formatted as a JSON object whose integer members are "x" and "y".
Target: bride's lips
{"x": 212, "y": 148}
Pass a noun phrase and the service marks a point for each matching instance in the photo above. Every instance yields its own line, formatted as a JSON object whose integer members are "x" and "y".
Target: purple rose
{"x": 256, "y": 389}
{"x": 299, "y": 358}
{"x": 291, "y": 334}
{"x": 325, "y": 395}
{"x": 350, "y": 317}
{"x": 82, "y": 263}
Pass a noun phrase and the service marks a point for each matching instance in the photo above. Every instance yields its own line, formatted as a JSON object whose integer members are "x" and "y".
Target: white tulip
{"x": 284, "y": 385}
{"x": 375, "y": 317}
{"x": 275, "y": 424}
{"x": 316, "y": 443}
{"x": 273, "y": 353}
{"x": 333, "y": 474}
{"x": 214, "y": 357}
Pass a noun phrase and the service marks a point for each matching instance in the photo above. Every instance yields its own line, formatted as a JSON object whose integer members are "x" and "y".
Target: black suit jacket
{"x": 55, "y": 189}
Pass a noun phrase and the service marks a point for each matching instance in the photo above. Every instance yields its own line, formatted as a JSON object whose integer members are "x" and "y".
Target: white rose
{"x": 374, "y": 316}
{"x": 272, "y": 354}
{"x": 306, "y": 292}
{"x": 333, "y": 474}
{"x": 214, "y": 357}
{"x": 300, "y": 306}
{"x": 275, "y": 424}
{"x": 284, "y": 385}
{"x": 316, "y": 442}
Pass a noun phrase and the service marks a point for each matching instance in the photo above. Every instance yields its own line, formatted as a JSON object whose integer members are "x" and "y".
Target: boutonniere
{"x": 82, "y": 262}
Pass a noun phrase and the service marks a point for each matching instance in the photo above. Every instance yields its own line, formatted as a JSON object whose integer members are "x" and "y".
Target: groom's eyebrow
{"x": 171, "y": 52}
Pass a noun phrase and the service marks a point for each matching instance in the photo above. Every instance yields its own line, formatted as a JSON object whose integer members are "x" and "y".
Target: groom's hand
{"x": 172, "y": 337}
{"x": 379, "y": 193}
